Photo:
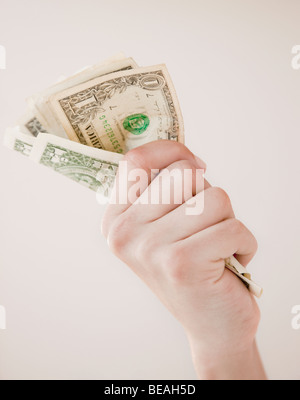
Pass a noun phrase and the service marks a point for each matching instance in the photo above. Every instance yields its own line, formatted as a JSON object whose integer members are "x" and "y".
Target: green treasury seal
{"x": 136, "y": 124}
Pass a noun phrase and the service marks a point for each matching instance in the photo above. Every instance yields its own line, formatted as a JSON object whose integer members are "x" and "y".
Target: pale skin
{"x": 181, "y": 259}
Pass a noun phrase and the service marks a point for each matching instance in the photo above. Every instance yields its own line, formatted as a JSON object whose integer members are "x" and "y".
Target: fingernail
{"x": 201, "y": 164}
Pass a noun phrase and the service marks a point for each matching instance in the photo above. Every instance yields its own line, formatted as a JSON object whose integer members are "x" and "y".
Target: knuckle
{"x": 146, "y": 249}
{"x": 141, "y": 154}
{"x": 119, "y": 235}
{"x": 180, "y": 150}
{"x": 175, "y": 172}
{"x": 235, "y": 227}
{"x": 174, "y": 264}
{"x": 255, "y": 244}
{"x": 136, "y": 156}
{"x": 221, "y": 198}
{"x": 182, "y": 165}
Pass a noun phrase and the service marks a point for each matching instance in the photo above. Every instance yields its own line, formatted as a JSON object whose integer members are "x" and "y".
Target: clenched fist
{"x": 181, "y": 258}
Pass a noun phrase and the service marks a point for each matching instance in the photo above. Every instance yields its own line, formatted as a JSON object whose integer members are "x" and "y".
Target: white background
{"x": 73, "y": 310}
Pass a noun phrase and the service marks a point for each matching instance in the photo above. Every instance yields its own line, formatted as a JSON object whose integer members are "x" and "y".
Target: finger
{"x": 149, "y": 157}
{"x": 217, "y": 208}
{"x": 171, "y": 188}
{"x": 220, "y": 242}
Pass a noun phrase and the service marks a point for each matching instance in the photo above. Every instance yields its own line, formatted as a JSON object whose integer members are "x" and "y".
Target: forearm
{"x": 244, "y": 365}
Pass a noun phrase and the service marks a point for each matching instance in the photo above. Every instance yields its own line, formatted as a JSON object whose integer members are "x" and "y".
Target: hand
{"x": 181, "y": 258}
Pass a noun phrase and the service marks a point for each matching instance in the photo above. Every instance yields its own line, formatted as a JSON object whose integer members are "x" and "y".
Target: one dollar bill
{"x": 121, "y": 111}
{"x": 93, "y": 168}
{"x": 40, "y": 103}
{"x": 19, "y": 141}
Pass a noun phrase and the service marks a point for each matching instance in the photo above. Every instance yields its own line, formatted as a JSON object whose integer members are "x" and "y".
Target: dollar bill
{"x": 21, "y": 137}
{"x": 30, "y": 124}
{"x": 40, "y": 104}
{"x": 121, "y": 111}
{"x": 19, "y": 141}
{"x": 234, "y": 266}
{"x": 93, "y": 168}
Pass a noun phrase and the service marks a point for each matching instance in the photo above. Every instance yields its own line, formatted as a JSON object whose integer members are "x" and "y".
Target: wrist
{"x": 234, "y": 364}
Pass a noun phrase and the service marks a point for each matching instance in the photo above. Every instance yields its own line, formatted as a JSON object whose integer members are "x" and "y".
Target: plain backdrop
{"x": 73, "y": 310}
